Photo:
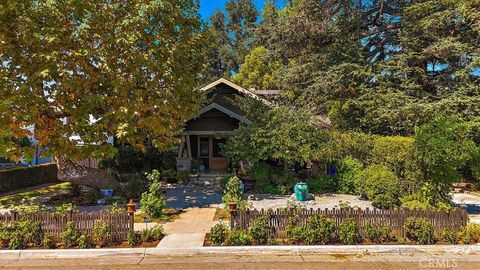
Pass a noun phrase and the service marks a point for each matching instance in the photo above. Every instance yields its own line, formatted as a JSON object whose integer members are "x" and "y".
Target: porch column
{"x": 189, "y": 148}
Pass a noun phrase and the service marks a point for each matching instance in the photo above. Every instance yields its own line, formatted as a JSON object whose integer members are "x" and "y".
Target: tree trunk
{"x": 71, "y": 171}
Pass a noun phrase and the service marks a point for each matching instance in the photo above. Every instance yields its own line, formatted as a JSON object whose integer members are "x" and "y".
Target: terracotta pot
{"x": 232, "y": 207}
{"x": 131, "y": 207}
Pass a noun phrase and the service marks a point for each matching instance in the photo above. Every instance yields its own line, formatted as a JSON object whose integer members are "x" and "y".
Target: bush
{"x": 471, "y": 233}
{"x": 84, "y": 241}
{"x": 378, "y": 184}
{"x": 153, "y": 201}
{"x": 348, "y": 232}
{"x": 323, "y": 184}
{"x": 451, "y": 236}
{"x": 218, "y": 233}
{"x": 348, "y": 168}
{"x": 133, "y": 238}
{"x": 238, "y": 238}
{"x": 419, "y": 230}
{"x": 398, "y": 154}
{"x": 65, "y": 208}
{"x": 20, "y": 234}
{"x": 153, "y": 234}
{"x": 378, "y": 234}
{"x": 259, "y": 230}
{"x": 323, "y": 228}
{"x": 28, "y": 209}
{"x": 70, "y": 236}
{"x": 233, "y": 191}
{"x": 48, "y": 241}
{"x": 17, "y": 178}
{"x": 183, "y": 177}
{"x": 100, "y": 233}
{"x": 319, "y": 229}
{"x": 261, "y": 172}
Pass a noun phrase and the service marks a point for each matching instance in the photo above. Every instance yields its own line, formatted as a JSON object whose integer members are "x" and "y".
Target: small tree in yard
{"x": 83, "y": 70}
{"x": 153, "y": 200}
{"x": 444, "y": 147}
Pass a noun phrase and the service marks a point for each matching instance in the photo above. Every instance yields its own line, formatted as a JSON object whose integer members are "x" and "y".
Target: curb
{"x": 245, "y": 250}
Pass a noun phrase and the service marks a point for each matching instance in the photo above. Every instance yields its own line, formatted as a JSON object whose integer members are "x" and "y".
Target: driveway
{"x": 183, "y": 197}
{"x": 267, "y": 201}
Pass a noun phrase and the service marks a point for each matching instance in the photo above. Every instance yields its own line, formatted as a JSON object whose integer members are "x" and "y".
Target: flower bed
{"x": 347, "y": 226}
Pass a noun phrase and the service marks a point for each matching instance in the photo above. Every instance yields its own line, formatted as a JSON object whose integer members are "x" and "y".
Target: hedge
{"x": 17, "y": 178}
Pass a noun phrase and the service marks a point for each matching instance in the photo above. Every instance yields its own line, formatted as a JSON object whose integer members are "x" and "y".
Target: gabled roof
{"x": 225, "y": 111}
{"x": 236, "y": 87}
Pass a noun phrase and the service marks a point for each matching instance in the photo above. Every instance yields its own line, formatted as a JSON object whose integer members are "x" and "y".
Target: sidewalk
{"x": 189, "y": 229}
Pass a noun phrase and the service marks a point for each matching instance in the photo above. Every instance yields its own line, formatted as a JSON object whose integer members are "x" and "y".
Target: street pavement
{"x": 281, "y": 257}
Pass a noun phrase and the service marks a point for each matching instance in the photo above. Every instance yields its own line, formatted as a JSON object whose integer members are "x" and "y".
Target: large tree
{"x": 231, "y": 36}
{"x": 85, "y": 69}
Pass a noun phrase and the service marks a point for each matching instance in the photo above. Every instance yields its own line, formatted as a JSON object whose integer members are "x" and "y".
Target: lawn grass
{"x": 18, "y": 197}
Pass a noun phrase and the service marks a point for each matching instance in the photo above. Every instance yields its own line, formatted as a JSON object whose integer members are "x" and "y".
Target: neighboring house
{"x": 219, "y": 118}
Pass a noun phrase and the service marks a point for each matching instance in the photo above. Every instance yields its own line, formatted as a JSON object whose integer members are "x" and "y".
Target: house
{"x": 217, "y": 119}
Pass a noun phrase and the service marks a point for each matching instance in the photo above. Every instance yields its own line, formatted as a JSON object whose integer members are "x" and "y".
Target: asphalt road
{"x": 256, "y": 259}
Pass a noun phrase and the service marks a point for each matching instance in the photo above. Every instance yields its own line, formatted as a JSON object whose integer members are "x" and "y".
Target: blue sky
{"x": 207, "y": 7}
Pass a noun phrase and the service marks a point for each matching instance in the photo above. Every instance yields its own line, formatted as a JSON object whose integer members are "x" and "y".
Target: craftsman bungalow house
{"x": 218, "y": 118}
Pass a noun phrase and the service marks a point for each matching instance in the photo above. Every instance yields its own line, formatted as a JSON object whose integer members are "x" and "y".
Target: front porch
{"x": 204, "y": 147}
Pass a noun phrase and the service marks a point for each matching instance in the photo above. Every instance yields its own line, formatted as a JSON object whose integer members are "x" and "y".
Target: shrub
{"x": 348, "y": 232}
{"x": 48, "y": 241}
{"x": 32, "y": 231}
{"x": 398, "y": 154}
{"x": 84, "y": 241}
{"x": 348, "y": 168}
{"x": 471, "y": 233}
{"x": 65, "y": 209}
{"x": 70, "y": 236}
{"x": 259, "y": 230}
{"x": 318, "y": 229}
{"x": 153, "y": 201}
{"x": 17, "y": 178}
{"x": 419, "y": 230}
{"x": 451, "y": 236}
{"x": 323, "y": 184}
{"x": 100, "y": 233}
{"x": 261, "y": 172}
{"x": 152, "y": 234}
{"x": 28, "y": 209}
{"x": 238, "y": 238}
{"x": 233, "y": 191}
{"x": 401, "y": 241}
{"x": 378, "y": 234}
{"x": 115, "y": 209}
{"x": 132, "y": 238}
{"x": 378, "y": 184}
{"x": 323, "y": 228}
{"x": 218, "y": 233}
{"x": 182, "y": 177}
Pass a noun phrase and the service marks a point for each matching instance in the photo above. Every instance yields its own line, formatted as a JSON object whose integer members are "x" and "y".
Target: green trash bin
{"x": 301, "y": 191}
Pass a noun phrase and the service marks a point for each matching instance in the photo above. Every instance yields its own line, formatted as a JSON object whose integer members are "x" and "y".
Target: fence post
{"x": 131, "y": 214}
{"x": 232, "y": 208}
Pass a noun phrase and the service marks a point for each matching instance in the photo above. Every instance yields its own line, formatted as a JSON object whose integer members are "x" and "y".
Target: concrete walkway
{"x": 189, "y": 229}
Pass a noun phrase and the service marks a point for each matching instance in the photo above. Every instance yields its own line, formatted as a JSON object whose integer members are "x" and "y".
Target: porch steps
{"x": 209, "y": 179}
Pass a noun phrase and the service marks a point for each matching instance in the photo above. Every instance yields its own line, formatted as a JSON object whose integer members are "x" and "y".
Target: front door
{"x": 210, "y": 153}
{"x": 218, "y": 161}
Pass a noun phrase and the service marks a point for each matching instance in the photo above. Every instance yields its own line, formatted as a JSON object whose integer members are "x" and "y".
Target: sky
{"x": 207, "y": 7}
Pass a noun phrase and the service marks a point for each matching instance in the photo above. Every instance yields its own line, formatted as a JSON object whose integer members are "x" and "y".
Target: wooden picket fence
{"x": 54, "y": 224}
{"x": 278, "y": 219}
